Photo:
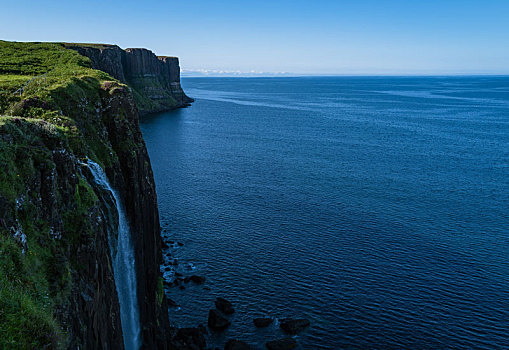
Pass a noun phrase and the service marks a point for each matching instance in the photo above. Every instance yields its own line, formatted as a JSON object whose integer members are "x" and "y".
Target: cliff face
{"x": 155, "y": 80}
{"x": 57, "y": 286}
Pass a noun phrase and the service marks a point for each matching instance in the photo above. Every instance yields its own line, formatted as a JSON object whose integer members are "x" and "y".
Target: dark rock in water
{"x": 164, "y": 245}
{"x": 172, "y": 302}
{"x": 217, "y": 322}
{"x": 224, "y": 305}
{"x": 282, "y": 344}
{"x": 197, "y": 279}
{"x": 262, "y": 322}
{"x": 294, "y": 326}
{"x": 235, "y": 344}
{"x": 190, "y": 338}
{"x": 203, "y": 329}
{"x": 182, "y": 287}
{"x": 180, "y": 244}
{"x": 178, "y": 274}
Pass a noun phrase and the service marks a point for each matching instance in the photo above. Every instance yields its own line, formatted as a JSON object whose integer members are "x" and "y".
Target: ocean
{"x": 376, "y": 207}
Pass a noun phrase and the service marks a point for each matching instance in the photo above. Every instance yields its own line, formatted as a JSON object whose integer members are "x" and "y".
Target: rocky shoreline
{"x": 178, "y": 275}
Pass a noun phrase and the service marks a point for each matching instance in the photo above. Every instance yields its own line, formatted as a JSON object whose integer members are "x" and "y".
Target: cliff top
{"x": 91, "y": 45}
{"x": 39, "y": 67}
{"x": 53, "y": 108}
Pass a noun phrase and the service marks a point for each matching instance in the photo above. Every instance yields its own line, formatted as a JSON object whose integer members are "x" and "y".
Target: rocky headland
{"x": 64, "y": 107}
{"x": 76, "y": 178}
{"x": 154, "y": 80}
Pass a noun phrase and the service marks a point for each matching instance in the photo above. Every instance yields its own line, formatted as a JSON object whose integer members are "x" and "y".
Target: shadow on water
{"x": 154, "y": 118}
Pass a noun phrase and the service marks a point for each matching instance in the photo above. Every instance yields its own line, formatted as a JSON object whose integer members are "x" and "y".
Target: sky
{"x": 320, "y": 37}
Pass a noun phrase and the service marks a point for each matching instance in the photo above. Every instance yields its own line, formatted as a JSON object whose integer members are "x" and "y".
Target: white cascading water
{"x": 123, "y": 266}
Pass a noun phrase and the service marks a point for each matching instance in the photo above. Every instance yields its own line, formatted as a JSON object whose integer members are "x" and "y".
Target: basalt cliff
{"x": 155, "y": 80}
{"x": 64, "y": 107}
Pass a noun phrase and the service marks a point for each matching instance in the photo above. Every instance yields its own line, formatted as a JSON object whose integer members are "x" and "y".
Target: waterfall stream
{"x": 123, "y": 266}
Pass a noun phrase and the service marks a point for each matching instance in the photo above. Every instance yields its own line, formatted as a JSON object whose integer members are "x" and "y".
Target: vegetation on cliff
{"x": 154, "y": 80}
{"x": 56, "y": 284}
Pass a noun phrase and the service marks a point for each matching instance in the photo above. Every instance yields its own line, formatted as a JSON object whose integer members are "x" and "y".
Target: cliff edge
{"x": 58, "y": 227}
{"x": 155, "y": 80}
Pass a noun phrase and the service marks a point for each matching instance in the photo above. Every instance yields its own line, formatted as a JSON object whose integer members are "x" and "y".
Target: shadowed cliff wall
{"x": 155, "y": 80}
{"x": 56, "y": 280}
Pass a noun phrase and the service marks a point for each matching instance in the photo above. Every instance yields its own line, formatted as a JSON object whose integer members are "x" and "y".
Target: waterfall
{"x": 124, "y": 271}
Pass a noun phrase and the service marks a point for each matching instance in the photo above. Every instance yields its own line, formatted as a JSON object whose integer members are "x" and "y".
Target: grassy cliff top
{"x": 91, "y": 45}
{"x": 50, "y": 101}
{"x": 46, "y": 81}
{"x": 50, "y": 64}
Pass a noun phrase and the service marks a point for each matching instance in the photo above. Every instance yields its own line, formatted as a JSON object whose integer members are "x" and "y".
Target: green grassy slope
{"x": 59, "y": 111}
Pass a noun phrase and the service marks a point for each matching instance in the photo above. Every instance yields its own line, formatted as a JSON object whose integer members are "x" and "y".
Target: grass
{"x": 141, "y": 83}
{"x": 26, "y": 320}
{"x": 62, "y": 111}
{"x": 29, "y": 274}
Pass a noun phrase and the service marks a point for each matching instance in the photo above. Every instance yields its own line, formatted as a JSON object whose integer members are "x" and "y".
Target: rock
{"x": 191, "y": 338}
{"x": 262, "y": 322}
{"x": 282, "y": 344}
{"x": 182, "y": 287}
{"x": 161, "y": 82}
{"x": 180, "y": 244}
{"x": 224, "y": 305}
{"x": 217, "y": 322}
{"x": 197, "y": 279}
{"x": 234, "y": 344}
{"x": 294, "y": 326}
{"x": 203, "y": 329}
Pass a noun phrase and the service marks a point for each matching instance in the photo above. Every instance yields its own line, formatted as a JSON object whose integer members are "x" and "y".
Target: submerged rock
{"x": 262, "y": 322}
{"x": 190, "y": 338}
{"x": 224, "y": 305}
{"x": 234, "y": 344}
{"x": 282, "y": 344}
{"x": 294, "y": 326}
{"x": 217, "y": 322}
{"x": 197, "y": 279}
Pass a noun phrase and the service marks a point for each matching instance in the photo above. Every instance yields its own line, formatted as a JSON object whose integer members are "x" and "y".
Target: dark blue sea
{"x": 377, "y": 207}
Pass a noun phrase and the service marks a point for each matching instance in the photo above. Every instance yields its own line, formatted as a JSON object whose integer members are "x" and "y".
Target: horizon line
{"x": 332, "y": 75}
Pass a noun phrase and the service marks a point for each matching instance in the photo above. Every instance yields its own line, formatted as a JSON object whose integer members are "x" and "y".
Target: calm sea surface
{"x": 376, "y": 207}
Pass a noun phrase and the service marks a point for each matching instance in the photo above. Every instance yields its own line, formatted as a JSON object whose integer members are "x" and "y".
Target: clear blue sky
{"x": 303, "y": 37}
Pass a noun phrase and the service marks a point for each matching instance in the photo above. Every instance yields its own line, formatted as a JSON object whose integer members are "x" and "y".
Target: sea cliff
{"x": 63, "y": 106}
{"x": 155, "y": 80}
